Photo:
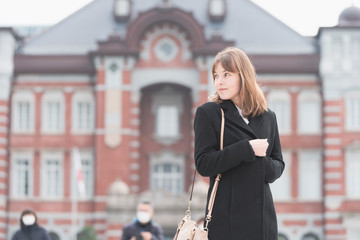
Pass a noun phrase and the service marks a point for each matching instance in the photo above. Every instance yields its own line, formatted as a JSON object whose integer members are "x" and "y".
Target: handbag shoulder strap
{"x": 217, "y": 180}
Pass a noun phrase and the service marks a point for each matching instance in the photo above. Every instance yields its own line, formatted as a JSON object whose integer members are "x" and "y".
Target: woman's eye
{"x": 216, "y": 76}
{"x": 227, "y": 74}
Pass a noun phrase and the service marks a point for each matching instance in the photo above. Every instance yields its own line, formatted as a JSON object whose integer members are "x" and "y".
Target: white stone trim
{"x": 332, "y": 141}
{"x": 124, "y": 131}
{"x": 134, "y": 166}
{"x": 333, "y": 186}
{"x": 187, "y": 77}
{"x": 332, "y": 109}
{"x": 61, "y": 78}
{"x": 333, "y": 175}
{"x": 4, "y": 109}
{"x": 311, "y": 78}
{"x": 332, "y": 130}
{"x": 331, "y": 119}
{"x": 333, "y": 164}
{"x": 332, "y": 152}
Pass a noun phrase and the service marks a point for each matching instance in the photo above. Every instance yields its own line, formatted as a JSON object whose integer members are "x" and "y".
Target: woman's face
{"x": 227, "y": 84}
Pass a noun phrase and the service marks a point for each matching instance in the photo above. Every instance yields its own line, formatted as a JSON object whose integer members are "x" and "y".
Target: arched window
{"x": 310, "y": 236}
{"x": 83, "y": 117}
{"x": 23, "y": 108}
{"x": 53, "y": 109}
{"x": 279, "y": 101}
{"x": 167, "y": 172}
{"x": 309, "y": 112}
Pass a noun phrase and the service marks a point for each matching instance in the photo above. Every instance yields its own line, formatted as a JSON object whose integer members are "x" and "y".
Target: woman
{"x": 251, "y": 158}
{"x": 29, "y": 228}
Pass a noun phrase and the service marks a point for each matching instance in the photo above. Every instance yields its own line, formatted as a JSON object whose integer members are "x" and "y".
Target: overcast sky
{"x": 304, "y": 16}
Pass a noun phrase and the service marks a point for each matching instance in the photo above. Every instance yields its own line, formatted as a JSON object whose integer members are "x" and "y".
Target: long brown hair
{"x": 252, "y": 99}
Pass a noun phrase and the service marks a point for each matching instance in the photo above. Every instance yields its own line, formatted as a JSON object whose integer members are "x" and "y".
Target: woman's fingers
{"x": 260, "y": 146}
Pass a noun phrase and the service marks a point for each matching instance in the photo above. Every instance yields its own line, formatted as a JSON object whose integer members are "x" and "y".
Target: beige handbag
{"x": 187, "y": 228}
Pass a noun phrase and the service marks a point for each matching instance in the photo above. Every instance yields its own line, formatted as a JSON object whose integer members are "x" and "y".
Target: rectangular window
{"x": 282, "y": 111}
{"x": 52, "y": 176}
{"x": 353, "y": 113}
{"x": 167, "y": 176}
{"x": 167, "y": 121}
{"x": 87, "y": 167}
{"x": 353, "y": 234}
{"x": 281, "y": 188}
{"x": 53, "y": 116}
{"x": 310, "y": 175}
{"x": 22, "y": 116}
{"x": 353, "y": 173}
{"x": 84, "y": 120}
{"x": 21, "y": 176}
{"x": 309, "y": 124}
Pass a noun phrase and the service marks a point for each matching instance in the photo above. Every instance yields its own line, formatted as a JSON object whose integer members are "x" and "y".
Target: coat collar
{"x": 232, "y": 114}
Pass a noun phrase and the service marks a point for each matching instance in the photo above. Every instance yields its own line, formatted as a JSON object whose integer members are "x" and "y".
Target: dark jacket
{"x": 244, "y": 207}
{"x": 135, "y": 228}
{"x": 34, "y": 232}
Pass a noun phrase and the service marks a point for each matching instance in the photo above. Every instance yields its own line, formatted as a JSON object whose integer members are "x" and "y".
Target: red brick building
{"x": 121, "y": 79}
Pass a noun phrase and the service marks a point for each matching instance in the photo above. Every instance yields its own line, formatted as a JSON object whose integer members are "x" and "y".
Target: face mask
{"x": 143, "y": 217}
{"x": 28, "y": 220}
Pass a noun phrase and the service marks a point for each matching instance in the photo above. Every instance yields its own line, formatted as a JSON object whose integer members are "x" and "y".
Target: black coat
{"x": 34, "y": 232}
{"x": 135, "y": 228}
{"x": 244, "y": 208}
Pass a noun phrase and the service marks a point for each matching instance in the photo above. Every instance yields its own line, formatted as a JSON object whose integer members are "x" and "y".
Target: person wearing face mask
{"x": 143, "y": 228}
{"x": 29, "y": 228}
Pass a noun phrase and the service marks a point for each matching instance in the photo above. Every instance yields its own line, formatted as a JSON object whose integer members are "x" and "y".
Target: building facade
{"x": 121, "y": 79}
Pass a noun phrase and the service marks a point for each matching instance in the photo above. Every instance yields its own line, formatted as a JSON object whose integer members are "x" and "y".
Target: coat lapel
{"x": 232, "y": 114}
{"x": 255, "y": 123}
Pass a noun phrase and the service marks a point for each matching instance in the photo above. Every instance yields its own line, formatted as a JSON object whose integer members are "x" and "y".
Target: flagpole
{"x": 74, "y": 201}
{"x": 80, "y": 188}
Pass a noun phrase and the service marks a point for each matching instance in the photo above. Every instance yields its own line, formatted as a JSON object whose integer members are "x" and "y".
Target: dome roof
{"x": 350, "y": 17}
{"x": 118, "y": 187}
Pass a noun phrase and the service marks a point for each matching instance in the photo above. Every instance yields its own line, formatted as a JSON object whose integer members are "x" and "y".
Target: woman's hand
{"x": 259, "y": 146}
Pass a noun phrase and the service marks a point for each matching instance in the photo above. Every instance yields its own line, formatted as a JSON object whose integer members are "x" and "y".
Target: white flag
{"x": 79, "y": 173}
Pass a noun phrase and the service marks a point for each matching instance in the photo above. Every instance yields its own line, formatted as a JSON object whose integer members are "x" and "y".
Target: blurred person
{"x": 251, "y": 157}
{"x": 143, "y": 228}
{"x": 29, "y": 228}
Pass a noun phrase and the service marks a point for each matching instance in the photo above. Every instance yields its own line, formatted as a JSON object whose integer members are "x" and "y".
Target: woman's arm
{"x": 209, "y": 160}
{"x": 274, "y": 164}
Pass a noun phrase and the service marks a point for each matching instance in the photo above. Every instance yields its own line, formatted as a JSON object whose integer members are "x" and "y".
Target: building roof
{"x": 11, "y": 31}
{"x": 350, "y": 17}
{"x": 249, "y": 26}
